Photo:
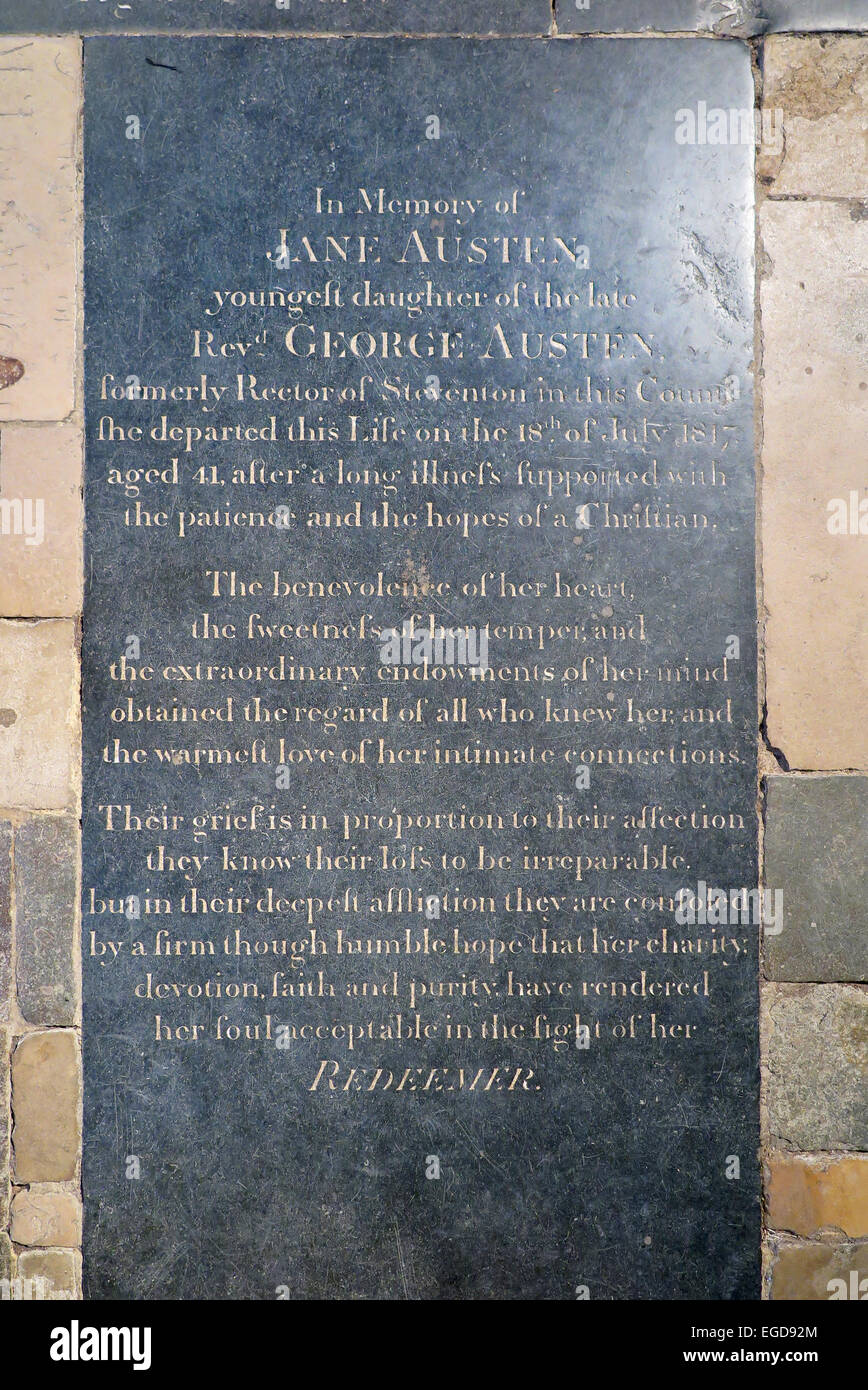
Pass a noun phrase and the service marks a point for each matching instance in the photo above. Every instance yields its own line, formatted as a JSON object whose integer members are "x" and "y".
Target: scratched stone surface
{"x": 738, "y": 18}
{"x": 272, "y": 16}
{"x": 388, "y": 989}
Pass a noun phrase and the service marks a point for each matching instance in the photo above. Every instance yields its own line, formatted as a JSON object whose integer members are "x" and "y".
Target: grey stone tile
{"x": 738, "y": 18}
{"x": 309, "y": 16}
{"x": 662, "y": 16}
{"x": 816, "y": 838}
{"x": 811, "y": 16}
{"x": 46, "y": 855}
{"x": 815, "y": 1057}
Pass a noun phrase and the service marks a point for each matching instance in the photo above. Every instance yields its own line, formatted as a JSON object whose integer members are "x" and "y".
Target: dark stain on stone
{"x": 7, "y": 717}
{"x": 776, "y": 753}
{"x": 11, "y": 370}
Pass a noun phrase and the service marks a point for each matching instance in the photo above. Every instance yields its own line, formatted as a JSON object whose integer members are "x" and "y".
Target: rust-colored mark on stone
{"x": 11, "y": 370}
{"x": 415, "y": 577}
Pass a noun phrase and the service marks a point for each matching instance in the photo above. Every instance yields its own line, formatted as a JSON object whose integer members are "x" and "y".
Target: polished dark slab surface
{"x": 735, "y": 18}
{"x": 810, "y": 16}
{"x": 308, "y": 16}
{"x": 666, "y": 16}
{"x": 584, "y": 284}
{"x": 738, "y": 18}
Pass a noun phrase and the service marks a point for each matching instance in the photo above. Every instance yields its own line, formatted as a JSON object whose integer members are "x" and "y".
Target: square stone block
{"x": 816, "y": 838}
{"x": 819, "y": 1273}
{"x": 39, "y": 226}
{"x": 816, "y": 1057}
{"x": 46, "y": 897}
{"x": 809, "y": 1194}
{"x": 46, "y": 1101}
{"x": 45, "y": 1216}
{"x": 39, "y": 715}
{"x": 54, "y": 1274}
{"x": 819, "y": 88}
{"x": 40, "y": 521}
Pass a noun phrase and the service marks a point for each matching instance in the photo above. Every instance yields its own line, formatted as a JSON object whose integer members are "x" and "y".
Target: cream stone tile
{"x": 53, "y": 1274}
{"x": 46, "y": 1137}
{"x": 45, "y": 1216}
{"x": 40, "y": 521}
{"x": 819, "y": 87}
{"x": 815, "y": 427}
{"x": 39, "y": 715}
{"x": 40, "y": 99}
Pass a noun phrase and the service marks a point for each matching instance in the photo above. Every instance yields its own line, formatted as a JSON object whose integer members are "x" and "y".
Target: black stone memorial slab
{"x": 276, "y": 16}
{"x": 419, "y": 671}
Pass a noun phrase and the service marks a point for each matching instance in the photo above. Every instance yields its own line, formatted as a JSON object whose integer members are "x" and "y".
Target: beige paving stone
{"x": 40, "y": 521}
{"x": 807, "y": 1194}
{"x": 39, "y": 226}
{"x": 820, "y": 1273}
{"x": 45, "y": 1101}
{"x": 6, "y": 983}
{"x": 5, "y": 1150}
{"x": 819, "y": 85}
{"x": 815, "y": 1052}
{"x": 45, "y": 1216}
{"x": 58, "y": 1270}
{"x": 39, "y": 719}
{"x": 815, "y": 426}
